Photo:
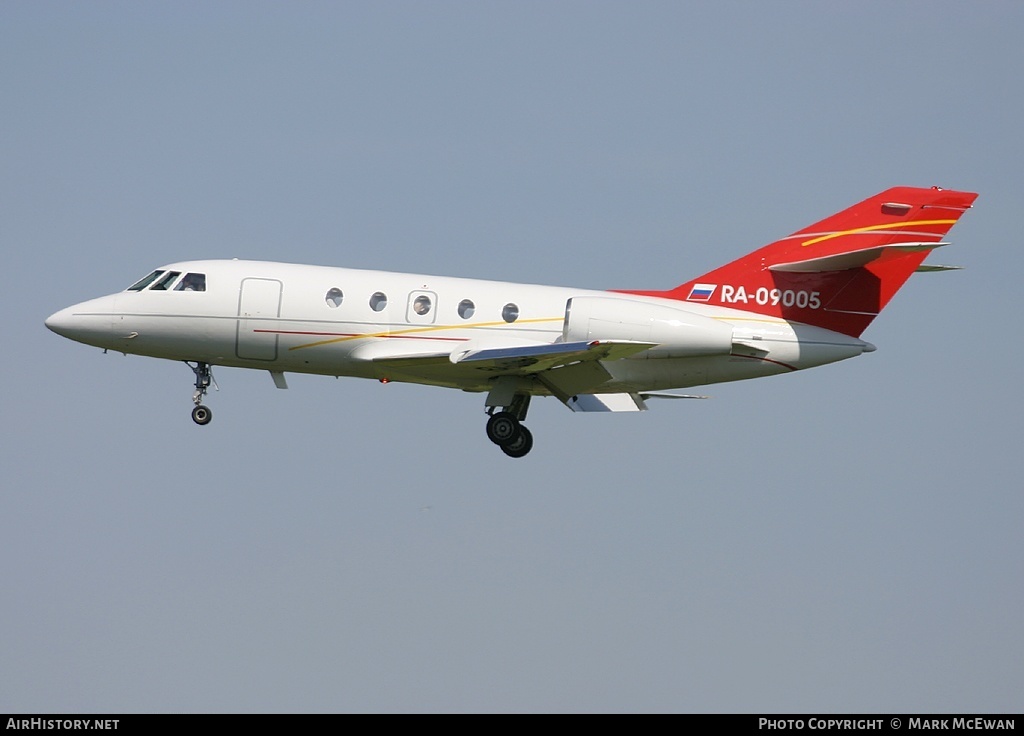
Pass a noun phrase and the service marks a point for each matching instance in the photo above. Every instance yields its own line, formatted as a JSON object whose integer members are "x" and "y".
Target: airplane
{"x": 798, "y": 302}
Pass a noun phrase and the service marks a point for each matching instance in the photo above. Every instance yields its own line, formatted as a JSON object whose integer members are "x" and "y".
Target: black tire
{"x": 503, "y": 428}
{"x": 202, "y": 415}
{"x": 520, "y": 446}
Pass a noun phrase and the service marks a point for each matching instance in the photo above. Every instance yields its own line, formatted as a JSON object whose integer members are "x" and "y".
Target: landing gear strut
{"x": 204, "y": 377}
{"x": 505, "y": 429}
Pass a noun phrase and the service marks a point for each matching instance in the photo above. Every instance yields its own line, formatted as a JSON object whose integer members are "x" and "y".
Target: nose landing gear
{"x": 204, "y": 377}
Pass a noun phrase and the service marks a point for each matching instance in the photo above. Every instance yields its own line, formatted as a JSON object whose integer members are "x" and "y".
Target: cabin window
{"x": 165, "y": 281}
{"x": 466, "y": 308}
{"x": 143, "y": 283}
{"x": 334, "y": 297}
{"x": 421, "y": 305}
{"x": 510, "y": 313}
{"x": 192, "y": 282}
{"x": 378, "y": 301}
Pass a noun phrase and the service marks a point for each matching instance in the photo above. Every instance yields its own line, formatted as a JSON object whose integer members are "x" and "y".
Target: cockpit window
{"x": 192, "y": 282}
{"x": 143, "y": 283}
{"x": 161, "y": 280}
{"x": 165, "y": 281}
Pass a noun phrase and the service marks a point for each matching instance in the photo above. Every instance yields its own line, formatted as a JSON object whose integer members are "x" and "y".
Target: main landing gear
{"x": 505, "y": 429}
{"x": 204, "y": 377}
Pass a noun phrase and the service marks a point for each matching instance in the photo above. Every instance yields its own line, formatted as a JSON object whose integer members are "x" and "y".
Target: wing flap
{"x": 620, "y": 402}
{"x": 660, "y": 395}
{"x": 606, "y": 402}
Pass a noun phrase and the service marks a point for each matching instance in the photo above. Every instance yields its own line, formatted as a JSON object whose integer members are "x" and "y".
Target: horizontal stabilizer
{"x": 926, "y": 268}
{"x": 850, "y": 259}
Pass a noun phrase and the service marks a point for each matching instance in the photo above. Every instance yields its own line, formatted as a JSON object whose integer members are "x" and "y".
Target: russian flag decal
{"x": 701, "y": 292}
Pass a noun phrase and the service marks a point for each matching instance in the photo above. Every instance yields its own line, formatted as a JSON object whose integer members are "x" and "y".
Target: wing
{"x": 565, "y": 369}
{"x": 548, "y": 356}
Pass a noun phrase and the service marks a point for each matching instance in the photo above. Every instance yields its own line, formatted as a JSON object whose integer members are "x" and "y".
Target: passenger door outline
{"x": 259, "y": 307}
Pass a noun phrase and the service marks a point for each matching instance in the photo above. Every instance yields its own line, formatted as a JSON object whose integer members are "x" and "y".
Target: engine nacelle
{"x": 679, "y": 333}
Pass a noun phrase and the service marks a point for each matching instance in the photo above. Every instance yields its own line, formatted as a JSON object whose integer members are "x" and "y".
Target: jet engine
{"x": 677, "y": 332}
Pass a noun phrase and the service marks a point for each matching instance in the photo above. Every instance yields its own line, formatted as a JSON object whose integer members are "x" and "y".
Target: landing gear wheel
{"x": 204, "y": 377}
{"x": 521, "y": 445}
{"x": 503, "y": 429}
{"x": 201, "y": 415}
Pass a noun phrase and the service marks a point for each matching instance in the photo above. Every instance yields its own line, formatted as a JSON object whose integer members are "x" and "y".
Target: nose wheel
{"x": 201, "y": 414}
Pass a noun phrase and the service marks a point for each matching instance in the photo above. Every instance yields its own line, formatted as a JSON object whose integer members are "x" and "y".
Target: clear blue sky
{"x": 845, "y": 539}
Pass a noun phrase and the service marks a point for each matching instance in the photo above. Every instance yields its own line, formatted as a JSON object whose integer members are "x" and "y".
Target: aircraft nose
{"x": 88, "y": 322}
{"x": 62, "y": 322}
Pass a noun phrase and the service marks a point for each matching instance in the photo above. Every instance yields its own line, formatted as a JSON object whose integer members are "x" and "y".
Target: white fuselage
{"x": 286, "y": 317}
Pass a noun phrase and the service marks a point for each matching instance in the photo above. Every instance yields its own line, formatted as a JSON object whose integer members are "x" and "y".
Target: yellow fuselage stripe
{"x": 418, "y": 330}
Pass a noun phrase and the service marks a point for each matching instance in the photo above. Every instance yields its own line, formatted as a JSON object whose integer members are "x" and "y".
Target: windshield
{"x": 161, "y": 280}
{"x": 143, "y": 283}
{"x": 166, "y": 281}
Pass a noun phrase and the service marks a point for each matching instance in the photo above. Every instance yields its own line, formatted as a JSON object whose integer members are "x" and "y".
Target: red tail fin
{"x": 838, "y": 273}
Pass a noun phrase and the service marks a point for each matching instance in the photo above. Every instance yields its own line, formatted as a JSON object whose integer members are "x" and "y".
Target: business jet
{"x": 799, "y": 302}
